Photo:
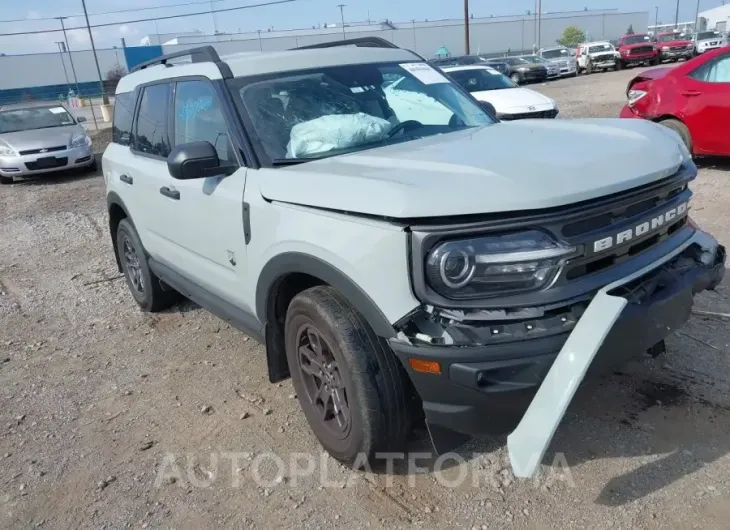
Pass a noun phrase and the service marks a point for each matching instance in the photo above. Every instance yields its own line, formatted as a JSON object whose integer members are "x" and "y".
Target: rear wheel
{"x": 351, "y": 387}
{"x": 142, "y": 282}
{"x": 681, "y": 129}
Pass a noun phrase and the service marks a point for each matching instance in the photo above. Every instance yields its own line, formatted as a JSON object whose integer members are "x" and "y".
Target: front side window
{"x": 670, "y": 37}
{"x": 30, "y": 118}
{"x": 151, "y": 134}
{"x": 481, "y": 79}
{"x": 198, "y": 117}
{"x": 600, "y": 48}
{"x": 336, "y": 110}
{"x": 123, "y": 118}
{"x": 715, "y": 71}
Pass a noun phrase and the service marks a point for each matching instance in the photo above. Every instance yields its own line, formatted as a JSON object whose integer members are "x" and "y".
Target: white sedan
{"x": 509, "y": 100}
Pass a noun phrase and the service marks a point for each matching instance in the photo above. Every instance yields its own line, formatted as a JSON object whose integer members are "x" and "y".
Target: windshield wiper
{"x": 280, "y": 162}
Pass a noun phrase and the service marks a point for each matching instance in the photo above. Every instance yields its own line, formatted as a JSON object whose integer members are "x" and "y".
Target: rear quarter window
{"x": 123, "y": 117}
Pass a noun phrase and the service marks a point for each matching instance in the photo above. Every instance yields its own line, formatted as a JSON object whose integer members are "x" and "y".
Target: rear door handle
{"x": 126, "y": 179}
{"x": 691, "y": 93}
{"x": 167, "y": 192}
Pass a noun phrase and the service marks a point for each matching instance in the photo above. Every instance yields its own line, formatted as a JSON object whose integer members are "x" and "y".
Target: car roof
{"x": 595, "y": 43}
{"x": 247, "y": 64}
{"x": 32, "y": 104}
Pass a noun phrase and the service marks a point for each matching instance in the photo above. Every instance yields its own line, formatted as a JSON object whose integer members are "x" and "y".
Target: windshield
{"x": 34, "y": 118}
{"x": 481, "y": 79}
{"x": 534, "y": 59}
{"x": 335, "y": 110}
{"x": 556, "y": 54}
{"x": 636, "y": 39}
{"x": 670, "y": 37}
{"x": 703, "y": 35}
{"x": 600, "y": 48}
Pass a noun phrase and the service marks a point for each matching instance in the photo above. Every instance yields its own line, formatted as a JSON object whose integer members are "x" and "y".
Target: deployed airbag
{"x": 336, "y": 131}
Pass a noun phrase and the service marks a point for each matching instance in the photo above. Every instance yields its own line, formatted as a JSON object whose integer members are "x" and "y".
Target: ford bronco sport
{"x": 396, "y": 251}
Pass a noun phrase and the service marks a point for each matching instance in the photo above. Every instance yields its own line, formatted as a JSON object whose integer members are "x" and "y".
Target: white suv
{"x": 401, "y": 257}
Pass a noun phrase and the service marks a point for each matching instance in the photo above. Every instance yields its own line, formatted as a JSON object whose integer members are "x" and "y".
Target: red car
{"x": 692, "y": 98}
{"x": 637, "y": 49}
{"x": 673, "y": 46}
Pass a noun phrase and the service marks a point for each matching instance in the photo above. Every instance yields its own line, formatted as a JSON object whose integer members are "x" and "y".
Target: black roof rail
{"x": 362, "y": 42}
{"x": 202, "y": 54}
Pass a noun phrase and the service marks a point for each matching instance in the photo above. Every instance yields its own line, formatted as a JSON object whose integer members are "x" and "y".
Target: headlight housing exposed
{"x": 80, "y": 141}
{"x": 635, "y": 95}
{"x": 495, "y": 265}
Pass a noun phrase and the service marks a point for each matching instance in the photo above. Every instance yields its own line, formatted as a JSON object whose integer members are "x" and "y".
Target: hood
{"x": 509, "y": 98}
{"x": 521, "y": 165}
{"x": 719, "y": 38}
{"x": 40, "y": 138}
{"x": 674, "y": 43}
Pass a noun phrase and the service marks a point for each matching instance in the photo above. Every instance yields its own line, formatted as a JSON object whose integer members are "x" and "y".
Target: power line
{"x": 166, "y": 17}
{"x": 166, "y": 6}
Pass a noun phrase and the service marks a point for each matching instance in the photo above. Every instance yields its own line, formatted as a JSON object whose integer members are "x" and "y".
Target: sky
{"x": 298, "y": 14}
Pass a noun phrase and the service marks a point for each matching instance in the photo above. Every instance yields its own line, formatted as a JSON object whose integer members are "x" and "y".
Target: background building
{"x": 717, "y": 18}
{"x": 49, "y": 75}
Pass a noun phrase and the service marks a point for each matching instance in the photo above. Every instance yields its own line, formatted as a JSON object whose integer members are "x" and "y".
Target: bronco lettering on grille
{"x": 644, "y": 228}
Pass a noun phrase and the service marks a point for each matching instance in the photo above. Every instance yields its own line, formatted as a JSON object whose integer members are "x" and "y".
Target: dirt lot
{"x": 111, "y": 418}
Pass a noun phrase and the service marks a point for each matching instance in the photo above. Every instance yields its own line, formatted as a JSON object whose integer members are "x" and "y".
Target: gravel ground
{"x": 111, "y": 418}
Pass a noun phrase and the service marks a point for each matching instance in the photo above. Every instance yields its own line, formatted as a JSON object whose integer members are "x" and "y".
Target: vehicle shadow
{"x": 62, "y": 177}
{"x": 713, "y": 162}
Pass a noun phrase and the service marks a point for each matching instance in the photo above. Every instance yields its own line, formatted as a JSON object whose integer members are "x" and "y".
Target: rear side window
{"x": 123, "y": 118}
{"x": 715, "y": 71}
{"x": 151, "y": 130}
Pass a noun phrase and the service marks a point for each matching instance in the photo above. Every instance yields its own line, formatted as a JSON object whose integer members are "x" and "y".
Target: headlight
{"x": 665, "y": 47}
{"x": 6, "y": 150}
{"x": 494, "y": 265}
{"x": 521, "y": 68}
{"x": 635, "y": 95}
{"x": 80, "y": 141}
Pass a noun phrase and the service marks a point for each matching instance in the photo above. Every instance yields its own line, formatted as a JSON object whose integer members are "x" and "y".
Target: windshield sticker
{"x": 424, "y": 73}
{"x": 57, "y": 110}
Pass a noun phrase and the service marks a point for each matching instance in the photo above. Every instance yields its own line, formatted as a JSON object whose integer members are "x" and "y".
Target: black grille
{"x": 53, "y": 163}
{"x": 604, "y": 58}
{"x": 43, "y": 150}
{"x": 641, "y": 49}
{"x": 545, "y": 114}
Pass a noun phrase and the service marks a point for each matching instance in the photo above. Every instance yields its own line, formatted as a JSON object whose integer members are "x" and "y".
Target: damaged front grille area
{"x": 468, "y": 328}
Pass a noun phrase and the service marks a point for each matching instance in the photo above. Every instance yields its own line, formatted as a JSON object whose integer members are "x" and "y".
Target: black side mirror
{"x": 196, "y": 160}
{"x": 488, "y": 108}
{"x": 81, "y": 119}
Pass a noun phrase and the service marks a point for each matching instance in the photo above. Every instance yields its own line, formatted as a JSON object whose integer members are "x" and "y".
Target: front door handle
{"x": 167, "y": 192}
{"x": 691, "y": 93}
{"x": 126, "y": 179}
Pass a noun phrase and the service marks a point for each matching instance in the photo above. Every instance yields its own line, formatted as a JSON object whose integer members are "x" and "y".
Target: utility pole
{"x": 697, "y": 15}
{"x": 676, "y": 16}
{"x": 104, "y": 97}
{"x": 414, "y": 34}
{"x": 215, "y": 22}
{"x": 656, "y": 19}
{"x": 60, "y": 52}
{"x": 73, "y": 69}
{"x": 261, "y": 46}
{"x": 466, "y": 27}
{"x": 539, "y": 24}
{"x": 342, "y": 16}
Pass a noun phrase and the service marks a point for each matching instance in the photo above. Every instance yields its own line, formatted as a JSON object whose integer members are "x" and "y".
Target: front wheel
{"x": 681, "y": 129}
{"x": 589, "y": 69}
{"x": 350, "y": 385}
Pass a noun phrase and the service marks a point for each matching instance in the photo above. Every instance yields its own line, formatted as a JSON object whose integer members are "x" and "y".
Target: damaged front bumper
{"x": 522, "y": 373}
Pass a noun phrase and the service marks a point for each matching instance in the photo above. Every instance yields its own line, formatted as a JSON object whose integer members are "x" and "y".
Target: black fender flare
{"x": 113, "y": 199}
{"x": 297, "y": 262}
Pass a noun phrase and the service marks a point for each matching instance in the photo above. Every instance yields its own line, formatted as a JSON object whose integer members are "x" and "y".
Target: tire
{"x": 681, "y": 129}
{"x": 516, "y": 79}
{"x": 6, "y": 180}
{"x": 94, "y": 167}
{"x": 144, "y": 286}
{"x": 620, "y": 65}
{"x": 589, "y": 68}
{"x": 361, "y": 371}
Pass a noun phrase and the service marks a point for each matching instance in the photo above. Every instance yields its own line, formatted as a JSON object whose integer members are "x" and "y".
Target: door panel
{"x": 706, "y": 96}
